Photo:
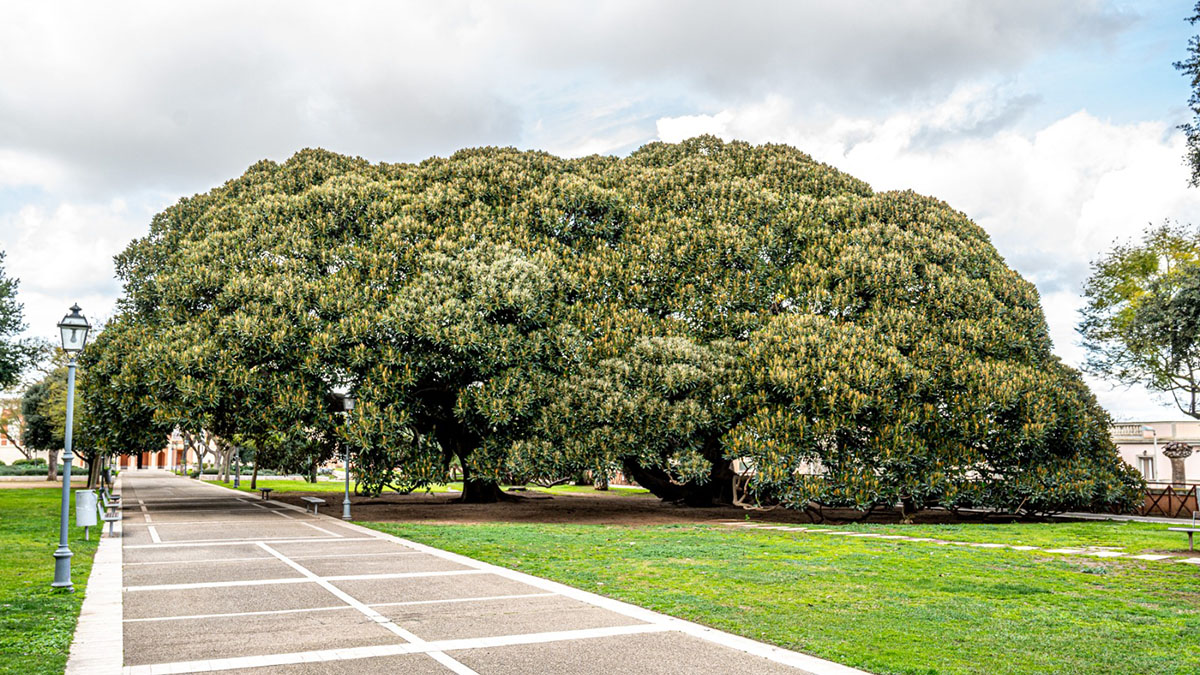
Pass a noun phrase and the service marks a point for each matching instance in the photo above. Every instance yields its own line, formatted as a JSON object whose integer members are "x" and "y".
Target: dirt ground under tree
{"x": 592, "y": 509}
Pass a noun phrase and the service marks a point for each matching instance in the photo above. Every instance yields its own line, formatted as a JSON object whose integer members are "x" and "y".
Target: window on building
{"x": 1146, "y": 466}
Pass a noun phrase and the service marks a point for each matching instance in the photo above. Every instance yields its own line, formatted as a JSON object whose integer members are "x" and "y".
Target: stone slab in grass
{"x": 234, "y": 570}
{"x": 226, "y": 600}
{"x": 224, "y": 637}
{"x": 408, "y": 664}
{"x": 304, "y": 548}
{"x": 371, "y": 591}
{"x": 192, "y": 553}
{"x": 489, "y": 618}
{"x": 403, "y": 562}
{"x": 645, "y": 654}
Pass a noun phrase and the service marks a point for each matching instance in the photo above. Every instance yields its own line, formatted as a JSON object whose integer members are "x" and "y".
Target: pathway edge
{"x": 98, "y": 645}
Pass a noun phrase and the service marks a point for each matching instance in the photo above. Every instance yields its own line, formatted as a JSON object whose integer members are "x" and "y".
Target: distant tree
{"x": 39, "y": 432}
{"x": 1141, "y": 324}
{"x": 10, "y": 417}
{"x": 114, "y": 400}
{"x": 1190, "y": 67}
{"x": 15, "y": 355}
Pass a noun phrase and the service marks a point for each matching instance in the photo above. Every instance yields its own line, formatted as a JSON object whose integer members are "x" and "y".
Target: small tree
{"x": 1141, "y": 324}
{"x": 15, "y": 355}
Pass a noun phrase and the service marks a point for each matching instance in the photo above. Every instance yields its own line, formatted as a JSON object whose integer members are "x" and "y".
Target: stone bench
{"x": 314, "y": 502}
{"x": 1190, "y": 532}
{"x": 266, "y": 492}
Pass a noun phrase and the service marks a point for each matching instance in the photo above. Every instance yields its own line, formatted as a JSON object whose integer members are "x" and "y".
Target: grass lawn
{"x": 886, "y": 607}
{"x": 37, "y": 622}
{"x": 1130, "y": 537}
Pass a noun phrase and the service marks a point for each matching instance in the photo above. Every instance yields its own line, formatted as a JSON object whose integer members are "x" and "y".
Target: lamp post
{"x": 74, "y": 330}
{"x": 347, "y": 406}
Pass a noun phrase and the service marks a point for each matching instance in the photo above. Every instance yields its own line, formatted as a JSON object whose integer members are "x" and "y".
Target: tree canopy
{"x": 711, "y": 318}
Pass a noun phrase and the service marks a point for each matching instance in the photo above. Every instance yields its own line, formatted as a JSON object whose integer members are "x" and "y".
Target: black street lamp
{"x": 74, "y": 329}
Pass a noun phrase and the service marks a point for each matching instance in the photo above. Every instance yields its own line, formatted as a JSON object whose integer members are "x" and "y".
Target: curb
{"x": 98, "y": 645}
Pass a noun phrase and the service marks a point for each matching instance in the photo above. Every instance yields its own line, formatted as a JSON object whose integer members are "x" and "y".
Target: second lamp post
{"x": 347, "y": 406}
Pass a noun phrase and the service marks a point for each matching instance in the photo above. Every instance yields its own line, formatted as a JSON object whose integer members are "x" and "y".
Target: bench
{"x": 107, "y": 496}
{"x": 107, "y": 502}
{"x": 107, "y": 514}
{"x": 1190, "y": 531}
{"x": 312, "y": 501}
{"x": 266, "y": 492}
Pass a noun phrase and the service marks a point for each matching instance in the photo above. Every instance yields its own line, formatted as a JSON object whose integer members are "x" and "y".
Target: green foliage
{"x": 1190, "y": 67}
{"x": 519, "y": 315}
{"x": 15, "y": 355}
{"x": 1141, "y": 324}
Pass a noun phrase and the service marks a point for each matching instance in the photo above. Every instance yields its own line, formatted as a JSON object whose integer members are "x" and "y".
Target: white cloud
{"x": 1052, "y": 199}
{"x": 65, "y": 254}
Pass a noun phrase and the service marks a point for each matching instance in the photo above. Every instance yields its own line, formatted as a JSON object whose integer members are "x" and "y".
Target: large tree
{"x": 680, "y": 315}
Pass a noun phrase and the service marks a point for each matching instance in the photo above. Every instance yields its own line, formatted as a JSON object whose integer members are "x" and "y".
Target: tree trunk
{"x": 718, "y": 489}
{"x": 94, "y": 465}
{"x": 477, "y": 491}
{"x": 254, "y": 476}
{"x": 52, "y": 465}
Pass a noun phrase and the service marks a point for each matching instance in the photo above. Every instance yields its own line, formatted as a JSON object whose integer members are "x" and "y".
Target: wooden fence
{"x": 1170, "y": 501}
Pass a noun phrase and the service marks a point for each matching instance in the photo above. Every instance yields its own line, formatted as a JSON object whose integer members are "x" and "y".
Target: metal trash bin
{"x": 85, "y": 510}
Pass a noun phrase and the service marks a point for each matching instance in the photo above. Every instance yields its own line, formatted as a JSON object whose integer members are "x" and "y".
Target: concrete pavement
{"x": 216, "y": 580}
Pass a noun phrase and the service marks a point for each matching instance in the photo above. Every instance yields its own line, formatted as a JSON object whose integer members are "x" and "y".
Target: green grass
{"x": 36, "y": 621}
{"x": 1131, "y": 537}
{"x": 886, "y": 607}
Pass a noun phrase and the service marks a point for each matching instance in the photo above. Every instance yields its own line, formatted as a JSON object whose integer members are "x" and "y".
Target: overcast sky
{"x": 1051, "y": 124}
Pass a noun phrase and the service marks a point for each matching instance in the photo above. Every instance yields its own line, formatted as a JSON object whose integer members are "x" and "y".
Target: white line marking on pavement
{"x": 189, "y": 617}
{"x": 216, "y": 584}
{"x": 297, "y": 580}
{"x": 263, "y": 557}
{"x": 321, "y": 529}
{"x": 430, "y": 648}
{"x": 265, "y": 612}
{"x": 153, "y": 534}
{"x": 453, "y": 600}
{"x": 244, "y": 541}
{"x": 267, "y": 508}
{"x": 370, "y": 613}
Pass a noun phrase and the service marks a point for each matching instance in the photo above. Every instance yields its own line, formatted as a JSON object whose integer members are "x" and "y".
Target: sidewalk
{"x": 217, "y": 580}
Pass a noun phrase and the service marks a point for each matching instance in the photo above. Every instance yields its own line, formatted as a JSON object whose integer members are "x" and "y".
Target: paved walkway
{"x": 215, "y": 580}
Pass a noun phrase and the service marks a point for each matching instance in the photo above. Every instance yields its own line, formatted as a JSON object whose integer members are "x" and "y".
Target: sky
{"x": 1053, "y": 125}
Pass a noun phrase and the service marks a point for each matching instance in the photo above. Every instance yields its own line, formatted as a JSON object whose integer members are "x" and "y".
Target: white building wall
{"x": 1142, "y": 448}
